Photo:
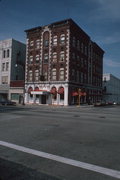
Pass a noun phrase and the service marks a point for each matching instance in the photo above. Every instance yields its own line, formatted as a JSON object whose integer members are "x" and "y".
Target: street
{"x": 64, "y": 143}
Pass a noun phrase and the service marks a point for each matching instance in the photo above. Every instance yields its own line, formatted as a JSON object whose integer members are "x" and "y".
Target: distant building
{"x": 111, "y": 88}
{"x": 63, "y": 66}
{"x": 12, "y": 63}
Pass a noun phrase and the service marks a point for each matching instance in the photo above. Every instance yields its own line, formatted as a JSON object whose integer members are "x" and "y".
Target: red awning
{"x": 53, "y": 90}
{"x": 30, "y": 89}
{"x": 74, "y": 93}
{"x": 61, "y": 90}
{"x": 36, "y": 89}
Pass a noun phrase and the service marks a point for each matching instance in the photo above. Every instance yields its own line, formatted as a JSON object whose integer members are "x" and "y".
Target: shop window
{"x": 14, "y": 96}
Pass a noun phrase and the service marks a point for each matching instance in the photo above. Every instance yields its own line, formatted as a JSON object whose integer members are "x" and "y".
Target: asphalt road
{"x": 85, "y": 134}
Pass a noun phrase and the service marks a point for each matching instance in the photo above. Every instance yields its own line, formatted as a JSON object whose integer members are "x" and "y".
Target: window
{"x": 86, "y": 50}
{"x": 78, "y": 76}
{"x": 4, "y": 54}
{"x": 7, "y": 66}
{"x": 30, "y": 75}
{"x": 14, "y": 96}
{"x": 78, "y": 58}
{"x": 62, "y": 38}
{"x": 81, "y": 77}
{"x": 46, "y": 43}
{"x": 46, "y": 58}
{"x": 61, "y": 74}
{"x": 54, "y": 57}
{"x": 54, "y": 40}
{"x": 8, "y": 53}
{"x": 73, "y": 74}
{"x": 73, "y": 41}
{"x": 45, "y": 75}
{"x": 78, "y": 45}
{"x": 37, "y": 59}
{"x": 31, "y": 43}
{"x": 38, "y": 43}
{"x": 82, "y": 47}
{"x": 3, "y": 66}
{"x": 31, "y": 60}
{"x": 73, "y": 55}
{"x": 62, "y": 56}
{"x": 36, "y": 75}
{"x": 54, "y": 74}
{"x": 82, "y": 62}
{"x": 4, "y": 79}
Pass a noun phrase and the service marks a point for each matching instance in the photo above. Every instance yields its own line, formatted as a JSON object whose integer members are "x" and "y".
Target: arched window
{"x": 54, "y": 92}
{"x": 61, "y": 92}
{"x": 30, "y": 89}
{"x": 36, "y": 88}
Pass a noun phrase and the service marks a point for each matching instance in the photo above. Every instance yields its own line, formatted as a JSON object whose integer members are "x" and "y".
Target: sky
{"x": 100, "y": 19}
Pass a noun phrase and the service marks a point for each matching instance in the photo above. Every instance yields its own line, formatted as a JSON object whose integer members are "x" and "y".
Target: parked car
{"x": 100, "y": 103}
{"x": 7, "y": 102}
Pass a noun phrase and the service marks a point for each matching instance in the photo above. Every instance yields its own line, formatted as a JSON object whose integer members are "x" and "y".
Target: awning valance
{"x": 61, "y": 90}
{"x": 53, "y": 90}
{"x": 40, "y": 92}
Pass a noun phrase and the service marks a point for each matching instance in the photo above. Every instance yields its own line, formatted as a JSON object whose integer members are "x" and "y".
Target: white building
{"x": 12, "y": 52}
{"x": 111, "y": 88}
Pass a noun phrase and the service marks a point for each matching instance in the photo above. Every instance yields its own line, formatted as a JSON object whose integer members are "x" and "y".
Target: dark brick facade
{"x": 65, "y": 53}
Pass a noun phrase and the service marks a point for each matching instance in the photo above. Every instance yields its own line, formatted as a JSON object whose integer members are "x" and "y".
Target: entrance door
{"x": 43, "y": 99}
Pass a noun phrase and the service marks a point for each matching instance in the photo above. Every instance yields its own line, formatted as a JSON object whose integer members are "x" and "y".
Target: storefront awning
{"x": 61, "y": 90}
{"x": 53, "y": 91}
{"x": 40, "y": 92}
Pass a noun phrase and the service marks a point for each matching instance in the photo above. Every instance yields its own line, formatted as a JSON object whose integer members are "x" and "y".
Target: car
{"x": 7, "y": 102}
{"x": 100, "y": 103}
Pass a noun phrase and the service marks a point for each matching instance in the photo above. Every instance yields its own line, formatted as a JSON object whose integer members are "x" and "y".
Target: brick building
{"x": 63, "y": 65}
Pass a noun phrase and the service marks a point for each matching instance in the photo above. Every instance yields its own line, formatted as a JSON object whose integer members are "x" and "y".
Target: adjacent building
{"x": 111, "y": 88}
{"x": 63, "y": 65}
{"x": 12, "y": 63}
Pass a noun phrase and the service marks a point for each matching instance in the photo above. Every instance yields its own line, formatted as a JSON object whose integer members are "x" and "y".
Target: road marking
{"x": 91, "y": 167}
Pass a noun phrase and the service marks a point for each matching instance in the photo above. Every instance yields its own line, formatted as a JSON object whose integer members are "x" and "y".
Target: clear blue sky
{"x": 100, "y": 19}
